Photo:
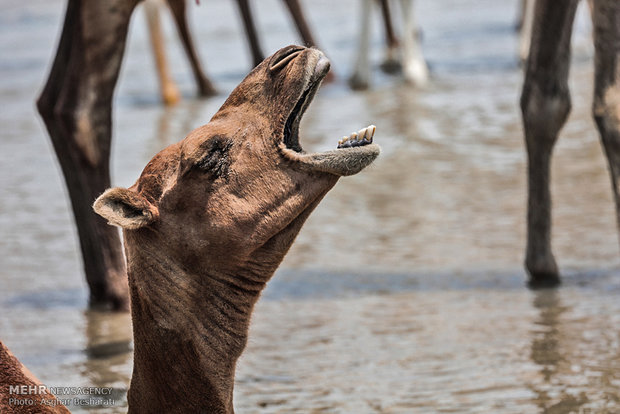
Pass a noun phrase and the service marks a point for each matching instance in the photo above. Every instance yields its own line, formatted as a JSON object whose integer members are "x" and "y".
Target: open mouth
{"x": 353, "y": 153}
{"x": 291, "y": 128}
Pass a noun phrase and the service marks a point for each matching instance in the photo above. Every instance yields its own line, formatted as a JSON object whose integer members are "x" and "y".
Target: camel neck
{"x": 189, "y": 331}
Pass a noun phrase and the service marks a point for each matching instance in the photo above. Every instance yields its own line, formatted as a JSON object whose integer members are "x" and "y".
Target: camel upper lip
{"x": 291, "y": 127}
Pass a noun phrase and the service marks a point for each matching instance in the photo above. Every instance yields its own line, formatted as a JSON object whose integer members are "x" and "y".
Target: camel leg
{"x": 545, "y": 105}
{"x": 179, "y": 12}
{"x": 250, "y": 30}
{"x": 76, "y": 106}
{"x": 391, "y": 63}
{"x": 294, "y": 7}
{"x": 360, "y": 78}
{"x": 169, "y": 90}
{"x": 415, "y": 70}
{"x": 606, "y": 105}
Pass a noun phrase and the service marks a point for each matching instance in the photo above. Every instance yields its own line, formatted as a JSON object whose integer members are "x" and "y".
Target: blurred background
{"x": 405, "y": 291}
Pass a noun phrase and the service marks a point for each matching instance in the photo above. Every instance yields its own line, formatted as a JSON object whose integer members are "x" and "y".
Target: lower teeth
{"x": 356, "y": 139}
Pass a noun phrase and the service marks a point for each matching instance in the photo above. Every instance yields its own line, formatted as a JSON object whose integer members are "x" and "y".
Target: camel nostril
{"x": 281, "y": 60}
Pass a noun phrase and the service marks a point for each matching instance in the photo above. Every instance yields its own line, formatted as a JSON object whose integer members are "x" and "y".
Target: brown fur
{"x": 13, "y": 373}
{"x": 207, "y": 224}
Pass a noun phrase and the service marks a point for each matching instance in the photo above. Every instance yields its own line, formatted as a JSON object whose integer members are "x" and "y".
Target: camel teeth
{"x": 362, "y": 137}
{"x": 362, "y": 133}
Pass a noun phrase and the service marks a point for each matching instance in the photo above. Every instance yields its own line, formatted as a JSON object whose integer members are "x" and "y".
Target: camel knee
{"x": 606, "y": 113}
{"x": 359, "y": 81}
{"x": 544, "y": 110}
{"x": 77, "y": 130}
{"x": 45, "y": 106}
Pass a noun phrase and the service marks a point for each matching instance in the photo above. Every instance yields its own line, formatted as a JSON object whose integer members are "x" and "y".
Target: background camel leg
{"x": 169, "y": 91}
{"x": 545, "y": 105}
{"x": 361, "y": 73}
{"x": 250, "y": 30}
{"x": 179, "y": 13}
{"x": 294, "y": 7}
{"x": 76, "y": 106}
{"x": 415, "y": 70}
{"x": 606, "y": 105}
{"x": 391, "y": 63}
{"x": 525, "y": 28}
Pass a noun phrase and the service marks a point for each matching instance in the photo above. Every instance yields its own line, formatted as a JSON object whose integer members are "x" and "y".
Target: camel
{"x": 208, "y": 222}
{"x": 545, "y": 105}
{"x": 169, "y": 90}
{"x": 414, "y": 68}
{"x": 21, "y": 392}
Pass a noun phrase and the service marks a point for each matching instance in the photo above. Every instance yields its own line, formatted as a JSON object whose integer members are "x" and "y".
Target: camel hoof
{"x": 358, "y": 82}
{"x": 171, "y": 95}
{"x": 416, "y": 73}
{"x": 544, "y": 282}
{"x": 206, "y": 89}
{"x": 391, "y": 66}
{"x": 543, "y": 273}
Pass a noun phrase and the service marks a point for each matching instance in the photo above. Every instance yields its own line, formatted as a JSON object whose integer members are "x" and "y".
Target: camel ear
{"x": 125, "y": 208}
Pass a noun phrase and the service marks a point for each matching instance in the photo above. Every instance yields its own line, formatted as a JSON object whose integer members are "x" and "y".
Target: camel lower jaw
{"x": 341, "y": 161}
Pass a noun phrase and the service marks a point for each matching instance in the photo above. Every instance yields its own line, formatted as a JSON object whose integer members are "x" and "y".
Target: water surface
{"x": 404, "y": 292}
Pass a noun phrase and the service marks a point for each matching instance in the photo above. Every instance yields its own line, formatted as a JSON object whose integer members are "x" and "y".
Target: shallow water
{"x": 404, "y": 292}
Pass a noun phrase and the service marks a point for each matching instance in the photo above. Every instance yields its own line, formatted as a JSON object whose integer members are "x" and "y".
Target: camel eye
{"x": 284, "y": 57}
{"x": 216, "y": 160}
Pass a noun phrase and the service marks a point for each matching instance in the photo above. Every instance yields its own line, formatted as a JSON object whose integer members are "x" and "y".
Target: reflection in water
{"x": 546, "y": 332}
{"x": 109, "y": 353}
{"x": 570, "y": 367}
{"x": 548, "y": 351}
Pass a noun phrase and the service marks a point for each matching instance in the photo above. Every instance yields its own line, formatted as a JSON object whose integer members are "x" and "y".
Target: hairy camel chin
{"x": 207, "y": 224}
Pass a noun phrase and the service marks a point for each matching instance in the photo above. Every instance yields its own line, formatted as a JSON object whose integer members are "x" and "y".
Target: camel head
{"x": 236, "y": 191}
